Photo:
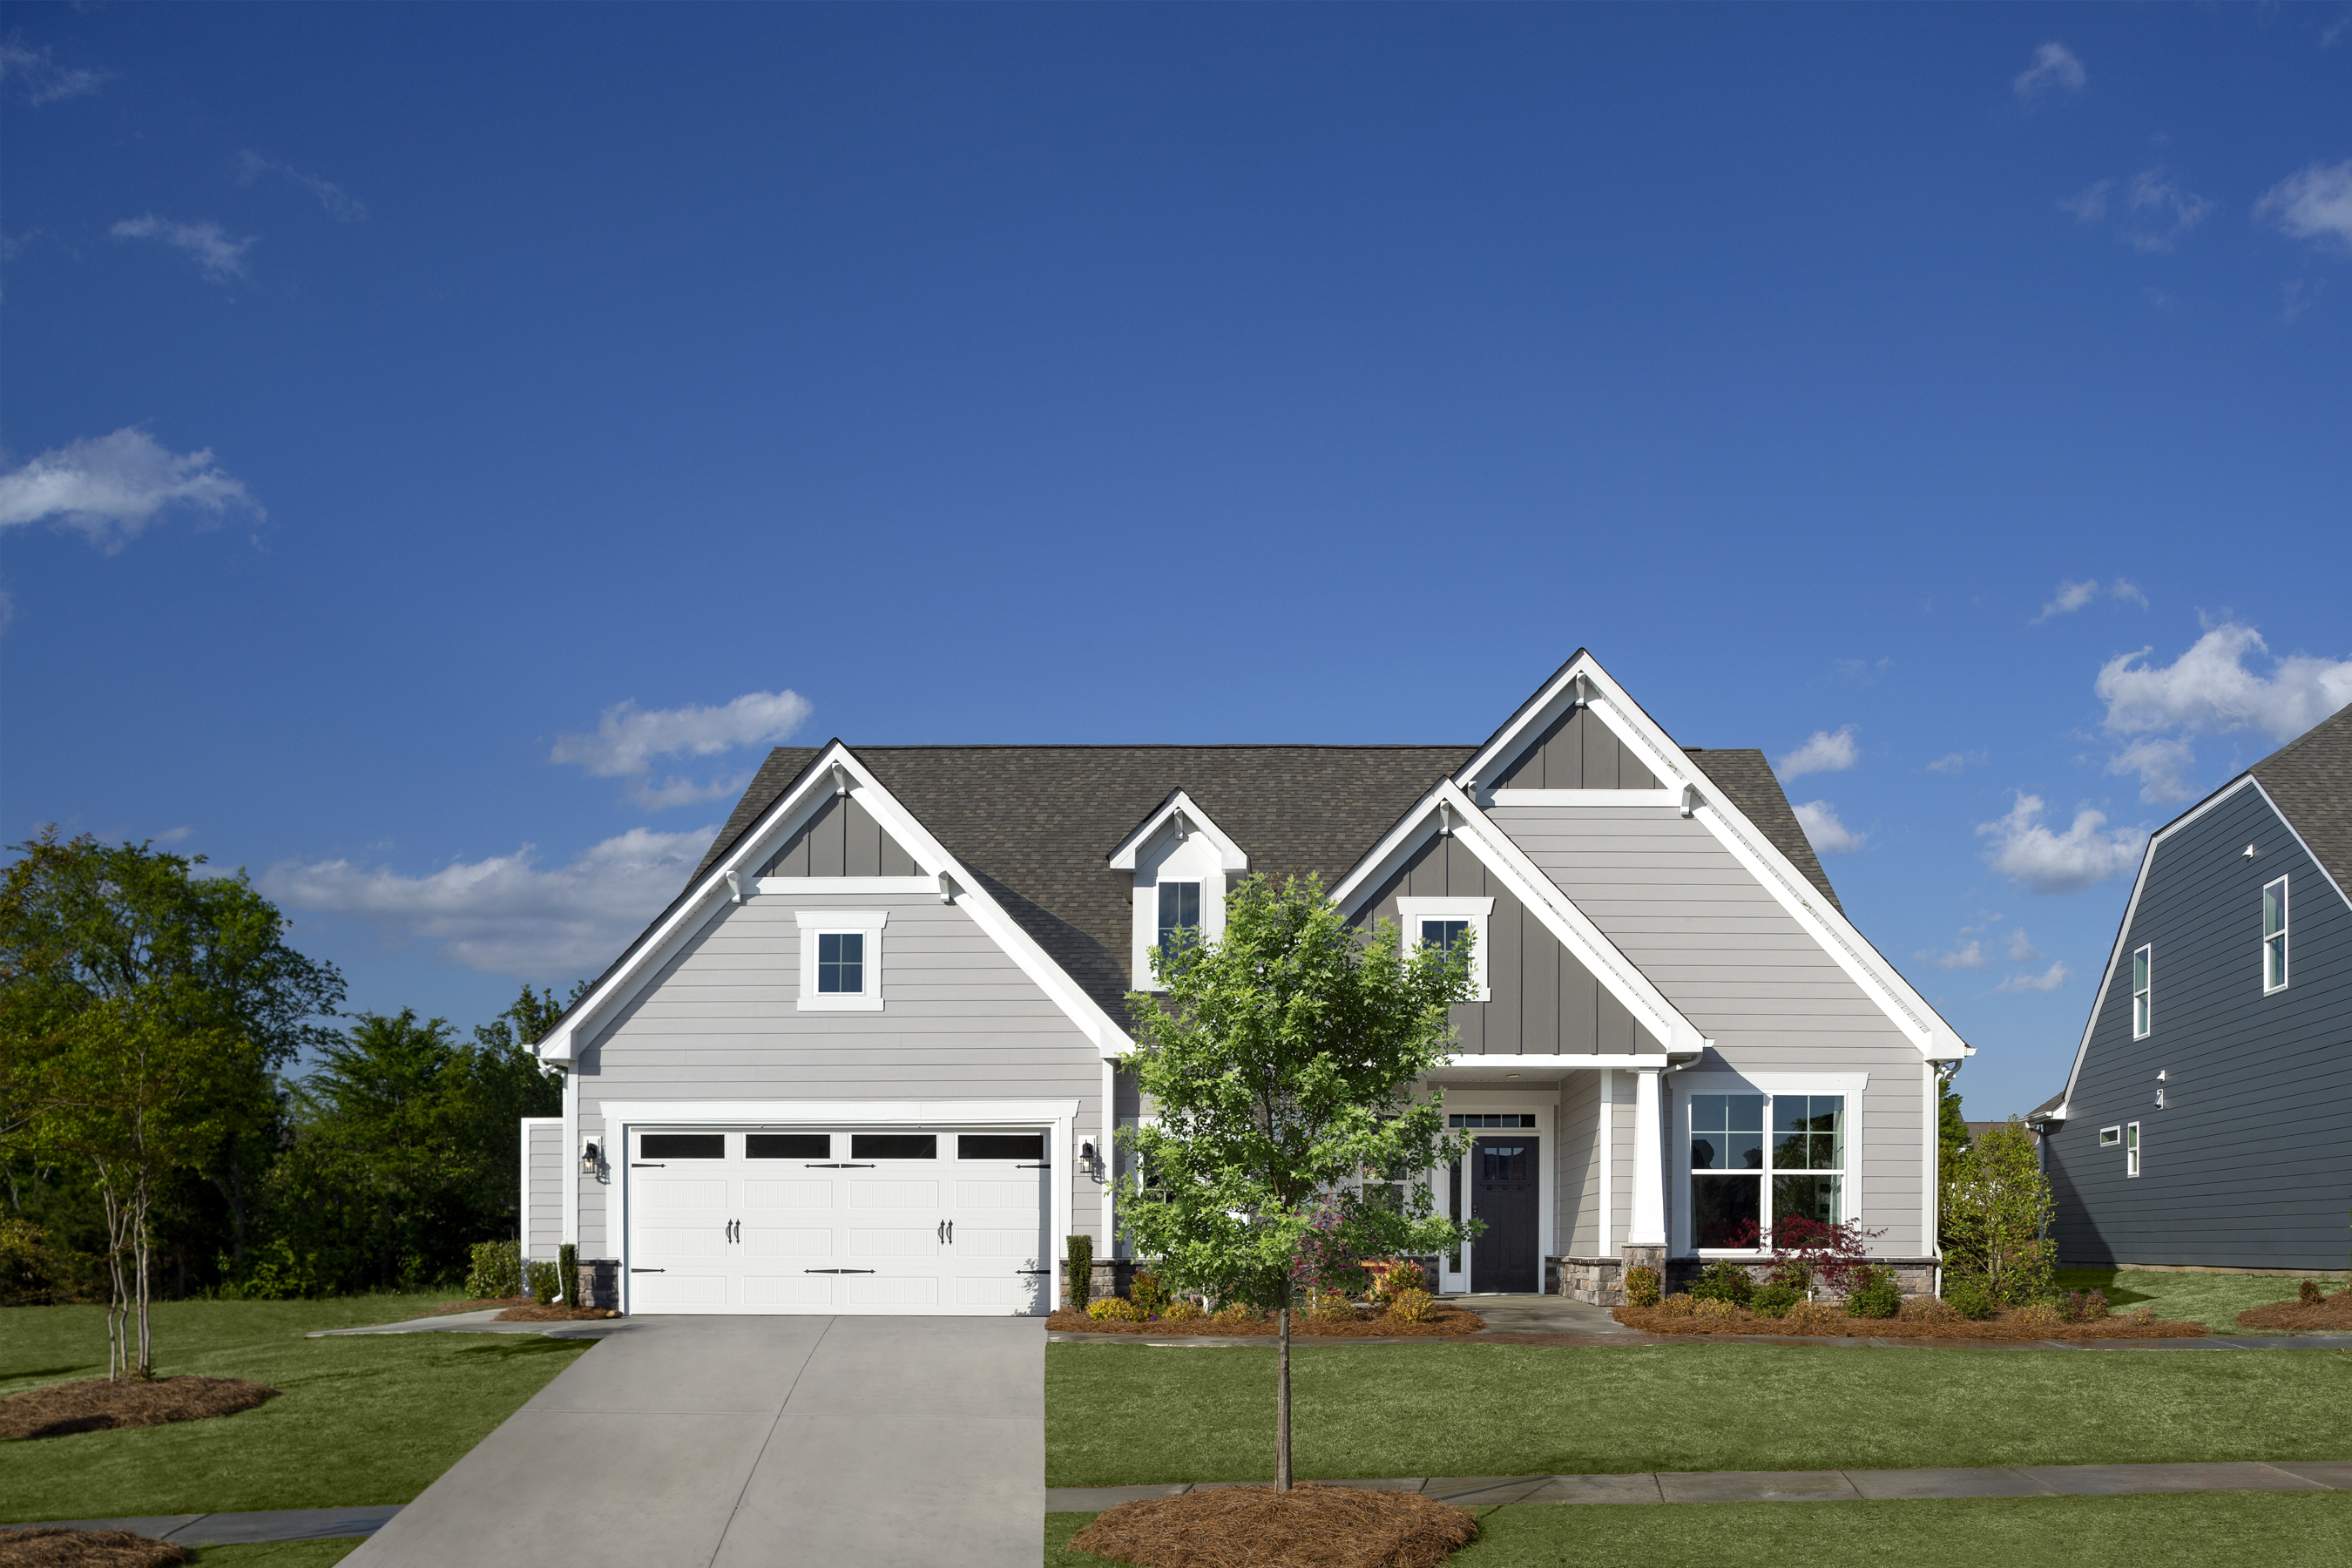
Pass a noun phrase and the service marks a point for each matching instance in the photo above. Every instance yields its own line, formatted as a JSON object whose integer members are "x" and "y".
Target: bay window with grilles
{"x": 1756, "y": 1159}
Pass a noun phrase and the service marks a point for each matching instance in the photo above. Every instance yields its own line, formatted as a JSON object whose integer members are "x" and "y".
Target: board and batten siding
{"x": 1714, "y": 939}
{"x": 1545, "y": 1002}
{"x": 543, "y": 1211}
{"x": 1579, "y": 752}
{"x": 841, "y": 840}
{"x": 719, "y": 1021}
{"x": 2249, "y": 1165}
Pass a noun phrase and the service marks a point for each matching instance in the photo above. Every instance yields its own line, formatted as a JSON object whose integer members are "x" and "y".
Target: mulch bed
{"x": 1649, "y": 1320}
{"x": 103, "y": 1404}
{"x": 1309, "y": 1526}
{"x": 1448, "y": 1320}
{"x": 47, "y": 1546}
{"x": 2328, "y": 1312}
{"x": 551, "y": 1312}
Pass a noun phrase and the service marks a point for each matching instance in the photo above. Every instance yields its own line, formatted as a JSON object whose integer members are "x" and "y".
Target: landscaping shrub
{"x": 1149, "y": 1294}
{"x": 1678, "y": 1305}
{"x": 271, "y": 1273}
{"x": 2309, "y": 1294}
{"x": 1714, "y": 1306}
{"x": 2143, "y": 1316}
{"x": 1795, "y": 1273}
{"x": 1237, "y": 1313}
{"x": 1814, "y": 1318}
{"x": 1876, "y": 1297}
{"x": 1997, "y": 1212}
{"x": 567, "y": 1274}
{"x": 1412, "y": 1307}
{"x": 1641, "y": 1286}
{"x": 1936, "y": 1310}
{"x": 2039, "y": 1315}
{"x": 1399, "y": 1280}
{"x": 496, "y": 1270}
{"x": 1725, "y": 1281}
{"x": 1079, "y": 1287}
{"x": 2081, "y": 1308}
{"x": 1971, "y": 1298}
{"x": 1774, "y": 1300}
{"x": 1182, "y": 1311}
{"x": 1331, "y": 1307}
{"x": 1114, "y": 1309}
{"x": 543, "y": 1280}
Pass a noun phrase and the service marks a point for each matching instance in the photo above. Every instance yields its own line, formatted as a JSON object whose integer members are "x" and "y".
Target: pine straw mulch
{"x": 2317, "y": 1317}
{"x": 1837, "y": 1325}
{"x": 104, "y": 1405}
{"x": 1311, "y": 1526}
{"x": 48, "y": 1546}
{"x": 1447, "y": 1321}
{"x": 551, "y": 1312}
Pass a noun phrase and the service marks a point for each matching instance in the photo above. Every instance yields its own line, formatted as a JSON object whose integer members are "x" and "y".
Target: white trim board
{"x": 1231, "y": 857}
{"x": 1582, "y": 796}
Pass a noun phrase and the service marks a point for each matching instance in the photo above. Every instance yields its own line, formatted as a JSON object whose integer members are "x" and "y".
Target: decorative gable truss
{"x": 834, "y": 784}
{"x": 1582, "y": 684}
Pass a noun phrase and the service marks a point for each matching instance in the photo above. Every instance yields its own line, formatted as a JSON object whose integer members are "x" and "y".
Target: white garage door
{"x": 946, "y": 1220}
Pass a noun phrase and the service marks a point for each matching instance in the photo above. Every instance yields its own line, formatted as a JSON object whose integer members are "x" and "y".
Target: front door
{"x": 1503, "y": 1196}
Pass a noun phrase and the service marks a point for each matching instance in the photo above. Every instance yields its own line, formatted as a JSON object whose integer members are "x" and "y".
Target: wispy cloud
{"x": 109, "y": 488}
{"x": 1863, "y": 670}
{"x": 2159, "y": 709}
{"x": 1954, "y": 761}
{"x": 2313, "y": 204}
{"x": 2049, "y": 980}
{"x": 2054, "y": 68}
{"x": 2028, "y": 853}
{"x": 218, "y": 257}
{"x": 2088, "y": 205}
{"x": 40, "y": 76}
{"x": 1969, "y": 954}
{"x": 2337, "y": 31}
{"x": 341, "y": 205}
{"x": 2173, "y": 206}
{"x": 504, "y": 915}
{"x": 1824, "y": 752}
{"x": 2072, "y": 596}
{"x": 1827, "y": 835}
{"x": 2020, "y": 947}
{"x": 628, "y": 739}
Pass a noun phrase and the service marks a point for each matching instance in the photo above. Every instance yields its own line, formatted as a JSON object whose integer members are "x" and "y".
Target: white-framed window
{"x": 2109, "y": 1137}
{"x": 1442, "y": 923}
{"x": 2274, "y": 935}
{"x": 841, "y": 960}
{"x": 1758, "y": 1159}
{"x": 2131, "y": 1149}
{"x": 1183, "y": 864}
{"x": 1180, "y": 910}
{"x": 2143, "y": 991}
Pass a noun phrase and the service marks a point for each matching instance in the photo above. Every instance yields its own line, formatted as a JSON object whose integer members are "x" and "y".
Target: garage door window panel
{"x": 683, "y": 1146}
{"x": 788, "y": 1146}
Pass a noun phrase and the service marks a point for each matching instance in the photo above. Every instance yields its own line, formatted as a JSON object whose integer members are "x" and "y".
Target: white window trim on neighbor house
{"x": 867, "y": 923}
{"x": 1177, "y": 843}
{"x": 2143, "y": 990}
{"x": 2131, "y": 1149}
{"x": 1411, "y": 911}
{"x": 2274, "y": 975}
{"x": 1689, "y": 1085}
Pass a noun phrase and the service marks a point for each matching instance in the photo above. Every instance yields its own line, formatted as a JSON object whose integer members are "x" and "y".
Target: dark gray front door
{"x": 1503, "y": 1194}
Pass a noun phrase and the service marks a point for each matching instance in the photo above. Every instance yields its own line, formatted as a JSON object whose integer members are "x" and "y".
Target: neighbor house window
{"x": 2109, "y": 1137}
{"x": 2274, "y": 936}
{"x": 2143, "y": 992}
{"x": 1446, "y": 924}
{"x": 1757, "y": 1159}
{"x": 2131, "y": 1150}
{"x": 1180, "y": 910}
{"x": 841, "y": 960}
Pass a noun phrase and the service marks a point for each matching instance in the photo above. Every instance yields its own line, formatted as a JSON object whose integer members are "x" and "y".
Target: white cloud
{"x": 1824, "y": 752}
{"x": 627, "y": 738}
{"x": 341, "y": 205}
{"x": 1953, "y": 761}
{"x": 1827, "y": 835}
{"x": 503, "y": 915}
{"x": 2088, "y": 205}
{"x": 174, "y": 836}
{"x": 1971, "y": 957}
{"x": 2072, "y": 597}
{"x": 110, "y": 486}
{"x": 2029, "y": 854}
{"x": 2153, "y": 191}
{"x": 42, "y": 80}
{"x": 2311, "y": 203}
{"x": 2049, "y": 980}
{"x": 218, "y": 257}
{"x": 2208, "y": 690}
{"x": 2162, "y": 764}
{"x": 2054, "y": 67}
{"x": 2020, "y": 947}
{"x": 2335, "y": 31}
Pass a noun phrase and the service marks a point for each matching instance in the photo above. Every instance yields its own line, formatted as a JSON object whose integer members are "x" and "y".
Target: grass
{"x": 282, "y": 1555}
{"x": 361, "y": 1420}
{"x": 2185, "y": 1530}
{"x": 2212, "y": 1299}
{"x": 1207, "y": 1415}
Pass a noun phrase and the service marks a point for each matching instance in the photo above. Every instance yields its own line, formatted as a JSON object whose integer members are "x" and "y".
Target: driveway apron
{"x": 729, "y": 1442}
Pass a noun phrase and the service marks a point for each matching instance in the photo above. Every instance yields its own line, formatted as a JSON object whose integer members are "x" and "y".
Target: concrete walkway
{"x": 724, "y": 1442}
{"x": 1804, "y": 1486}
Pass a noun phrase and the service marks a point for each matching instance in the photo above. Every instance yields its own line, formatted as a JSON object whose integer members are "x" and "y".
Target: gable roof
{"x": 1742, "y": 773}
{"x": 2309, "y": 779}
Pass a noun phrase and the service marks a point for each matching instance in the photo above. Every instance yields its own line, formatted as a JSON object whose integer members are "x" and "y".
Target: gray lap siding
{"x": 720, "y": 1022}
{"x": 2249, "y": 1165}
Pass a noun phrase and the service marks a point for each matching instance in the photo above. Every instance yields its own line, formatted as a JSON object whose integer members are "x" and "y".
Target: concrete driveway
{"x": 728, "y": 1442}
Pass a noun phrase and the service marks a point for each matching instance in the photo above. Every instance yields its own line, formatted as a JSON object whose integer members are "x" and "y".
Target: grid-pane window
{"x": 2131, "y": 1150}
{"x": 841, "y": 962}
{"x": 1443, "y": 935}
{"x": 1756, "y": 1159}
{"x": 1180, "y": 910}
{"x": 2143, "y": 991}
{"x": 2274, "y": 935}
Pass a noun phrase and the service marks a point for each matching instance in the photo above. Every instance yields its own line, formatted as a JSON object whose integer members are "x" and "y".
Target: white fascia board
{"x": 1542, "y": 1064}
{"x": 620, "y": 1114}
{"x": 1581, "y": 796}
{"x": 1837, "y": 936}
{"x": 1569, "y": 925}
{"x": 1230, "y": 855}
{"x": 802, "y": 887}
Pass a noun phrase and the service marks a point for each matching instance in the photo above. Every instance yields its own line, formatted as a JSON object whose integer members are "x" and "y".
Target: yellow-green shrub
{"x": 1412, "y": 1307}
{"x": 1115, "y": 1309}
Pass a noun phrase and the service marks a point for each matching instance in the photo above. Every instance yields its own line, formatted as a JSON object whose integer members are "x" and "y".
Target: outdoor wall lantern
{"x": 589, "y": 1157}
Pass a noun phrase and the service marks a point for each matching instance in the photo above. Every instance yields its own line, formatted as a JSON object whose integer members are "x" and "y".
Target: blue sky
{"x": 443, "y": 446}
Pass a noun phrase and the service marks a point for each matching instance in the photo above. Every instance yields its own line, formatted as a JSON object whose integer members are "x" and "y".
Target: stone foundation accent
{"x": 1600, "y": 1280}
{"x": 1112, "y": 1276}
{"x": 600, "y": 1281}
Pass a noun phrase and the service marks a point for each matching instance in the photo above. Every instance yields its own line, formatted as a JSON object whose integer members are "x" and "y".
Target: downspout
{"x": 1107, "y": 1150}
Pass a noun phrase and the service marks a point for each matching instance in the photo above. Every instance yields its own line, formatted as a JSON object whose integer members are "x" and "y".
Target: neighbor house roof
{"x": 2310, "y": 779}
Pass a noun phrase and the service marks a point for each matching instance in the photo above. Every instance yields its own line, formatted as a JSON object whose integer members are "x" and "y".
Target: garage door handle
{"x": 1032, "y": 1167}
{"x": 648, "y": 1270}
{"x": 836, "y": 1166}
{"x": 641, "y": 1166}
{"x": 950, "y": 1232}
{"x": 1032, "y": 1271}
{"x": 837, "y": 1271}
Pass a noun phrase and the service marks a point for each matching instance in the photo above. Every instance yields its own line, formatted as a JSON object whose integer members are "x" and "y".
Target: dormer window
{"x": 1183, "y": 866}
{"x": 1180, "y": 910}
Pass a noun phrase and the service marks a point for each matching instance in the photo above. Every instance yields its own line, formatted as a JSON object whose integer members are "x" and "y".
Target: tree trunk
{"x": 141, "y": 1253}
{"x": 1282, "y": 1403}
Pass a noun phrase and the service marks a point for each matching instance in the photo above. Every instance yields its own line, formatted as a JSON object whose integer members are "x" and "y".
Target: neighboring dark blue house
{"x": 2207, "y": 1119}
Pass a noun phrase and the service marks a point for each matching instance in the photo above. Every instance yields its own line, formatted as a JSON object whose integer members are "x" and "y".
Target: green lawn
{"x": 1121, "y": 1414}
{"x": 360, "y": 1421}
{"x": 2195, "y": 1530}
{"x": 2212, "y": 1299}
{"x": 298, "y": 1555}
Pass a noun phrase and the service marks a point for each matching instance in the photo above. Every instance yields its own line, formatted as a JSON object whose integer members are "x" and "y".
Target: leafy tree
{"x": 1951, "y": 1127}
{"x": 1281, "y": 1063}
{"x": 1997, "y": 1215}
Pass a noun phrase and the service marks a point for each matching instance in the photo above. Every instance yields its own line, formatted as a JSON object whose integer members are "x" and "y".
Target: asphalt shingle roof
{"x": 1741, "y": 773}
{"x": 2310, "y": 777}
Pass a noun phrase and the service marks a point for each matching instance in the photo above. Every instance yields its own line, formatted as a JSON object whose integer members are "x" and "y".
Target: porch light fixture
{"x": 589, "y": 1157}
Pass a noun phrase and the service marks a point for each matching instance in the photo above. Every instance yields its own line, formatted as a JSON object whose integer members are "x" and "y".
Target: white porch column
{"x": 1608, "y": 1142}
{"x": 1648, "y": 1225}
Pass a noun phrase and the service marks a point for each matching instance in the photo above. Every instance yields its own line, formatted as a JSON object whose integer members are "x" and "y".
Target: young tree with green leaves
{"x": 1280, "y": 1064}
{"x": 1997, "y": 1210}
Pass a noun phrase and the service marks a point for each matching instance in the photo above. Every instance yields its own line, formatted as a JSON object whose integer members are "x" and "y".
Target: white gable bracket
{"x": 1187, "y": 819}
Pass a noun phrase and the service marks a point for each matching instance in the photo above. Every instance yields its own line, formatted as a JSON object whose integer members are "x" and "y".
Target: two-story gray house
{"x": 870, "y": 1059}
{"x": 2208, "y": 1119}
